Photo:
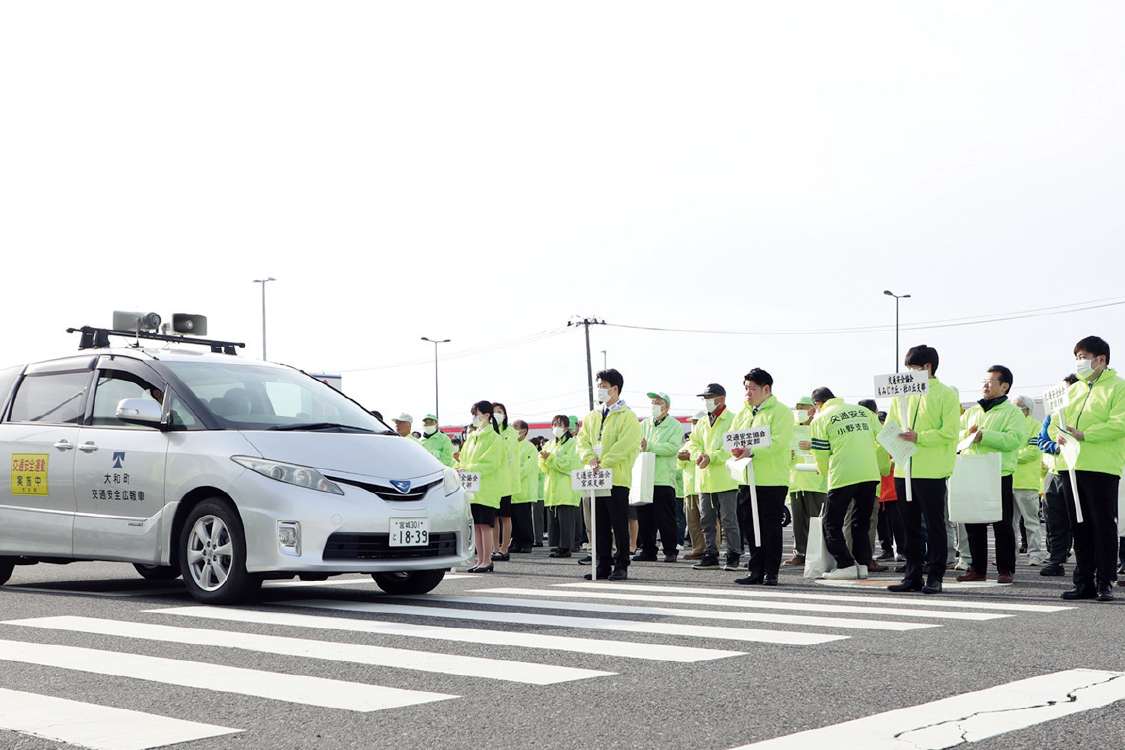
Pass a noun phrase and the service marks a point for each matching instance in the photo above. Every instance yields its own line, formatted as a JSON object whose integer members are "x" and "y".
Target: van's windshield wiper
{"x": 319, "y": 426}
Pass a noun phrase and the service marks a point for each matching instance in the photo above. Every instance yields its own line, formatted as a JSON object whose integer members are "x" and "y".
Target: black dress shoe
{"x": 770, "y": 580}
{"x": 560, "y": 553}
{"x": 501, "y": 556}
{"x": 1052, "y": 569}
{"x": 644, "y": 557}
{"x": 671, "y": 558}
{"x": 1080, "y": 592}
{"x": 932, "y": 587}
{"x": 586, "y": 560}
{"x": 899, "y": 588}
{"x": 1105, "y": 594}
{"x": 619, "y": 574}
{"x": 480, "y": 569}
{"x": 603, "y": 574}
{"x": 900, "y": 568}
{"x": 751, "y": 580}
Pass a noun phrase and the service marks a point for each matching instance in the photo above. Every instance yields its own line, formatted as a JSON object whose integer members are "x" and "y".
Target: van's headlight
{"x": 302, "y": 476}
{"x": 452, "y": 481}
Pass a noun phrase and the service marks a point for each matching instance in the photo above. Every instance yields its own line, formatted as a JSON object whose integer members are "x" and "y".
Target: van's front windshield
{"x": 252, "y": 397}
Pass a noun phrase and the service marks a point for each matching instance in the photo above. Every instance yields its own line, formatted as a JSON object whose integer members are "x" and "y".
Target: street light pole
{"x": 437, "y": 414}
{"x": 897, "y": 297}
{"x": 263, "y": 283}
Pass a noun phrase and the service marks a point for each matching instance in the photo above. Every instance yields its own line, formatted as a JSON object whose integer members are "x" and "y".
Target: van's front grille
{"x": 390, "y": 494}
{"x": 341, "y": 546}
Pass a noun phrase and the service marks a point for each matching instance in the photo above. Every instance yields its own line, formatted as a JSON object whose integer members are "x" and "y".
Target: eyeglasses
{"x": 990, "y": 382}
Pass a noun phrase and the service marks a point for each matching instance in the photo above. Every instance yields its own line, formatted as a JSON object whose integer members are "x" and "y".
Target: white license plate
{"x": 409, "y": 532}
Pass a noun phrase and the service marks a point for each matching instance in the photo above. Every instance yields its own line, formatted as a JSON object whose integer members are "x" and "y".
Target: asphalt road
{"x": 725, "y": 684}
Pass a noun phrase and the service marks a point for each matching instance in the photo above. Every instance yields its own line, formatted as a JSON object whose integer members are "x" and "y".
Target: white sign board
{"x": 755, "y": 437}
{"x": 907, "y": 383}
{"x": 1056, "y": 398}
{"x": 900, "y": 450}
{"x": 801, "y": 432}
{"x": 589, "y": 480}
{"x": 470, "y": 480}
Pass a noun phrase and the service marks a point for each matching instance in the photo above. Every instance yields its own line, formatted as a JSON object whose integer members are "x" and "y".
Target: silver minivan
{"x": 225, "y": 470}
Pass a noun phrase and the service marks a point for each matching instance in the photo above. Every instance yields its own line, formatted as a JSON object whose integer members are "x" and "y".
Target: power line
{"x": 522, "y": 341}
{"x": 948, "y": 323}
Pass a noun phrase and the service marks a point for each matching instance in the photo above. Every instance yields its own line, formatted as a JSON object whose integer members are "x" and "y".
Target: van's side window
{"x": 55, "y": 398}
{"x": 113, "y": 386}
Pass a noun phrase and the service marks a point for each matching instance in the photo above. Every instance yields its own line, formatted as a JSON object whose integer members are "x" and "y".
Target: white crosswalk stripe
{"x": 753, "y": 635}
{"x": 497, "y": 669}
{"x": 647, "y": 651}
{"x": 313, "y": 691}
{"x": 96, "y": 727}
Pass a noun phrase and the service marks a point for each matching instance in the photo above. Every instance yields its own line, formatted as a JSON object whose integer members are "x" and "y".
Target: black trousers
{"x": 765, "y": 558}
{"x": 523, "y": 528}
{"x": 659, "y": 515}
{"x": 863, "y": 495}
{"x": 613, "y": 524}
{"x": 561, "y": 522}
{"x": 1058, "y": 520}
{"x": 1095, "y": 539}
{"x": 1002, "y": 530}
{"x": 925, "y": 550}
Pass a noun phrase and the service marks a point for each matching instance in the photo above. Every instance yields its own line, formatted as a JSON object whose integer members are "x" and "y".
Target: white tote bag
{"x": 974, "y": 489}
{"x": 644, "y": 473}
{"x": 817, "y": 560}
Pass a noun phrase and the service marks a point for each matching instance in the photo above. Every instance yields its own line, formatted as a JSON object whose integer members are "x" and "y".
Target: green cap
{"x": 663, "y": 395}
{"x": 573, "y": 422}
{"x": 805, "y": 400}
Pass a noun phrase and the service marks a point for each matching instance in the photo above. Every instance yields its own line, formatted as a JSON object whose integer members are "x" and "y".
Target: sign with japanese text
{"x": 470, "y": 480}
{"x": 588, "y": 480}
{"x": 29, "y": 474}
{"x": 1056, "y": 398}
{"x": 907, "y": 383}
{"x": 755, "y": 437}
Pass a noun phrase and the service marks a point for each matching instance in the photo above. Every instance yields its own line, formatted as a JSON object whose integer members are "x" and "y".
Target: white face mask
{"x": 709, "y": 404}
{"x": 478, "y": 420}
{"x": 1084, "y": 368}
{"x": 429, "y": 429}
{"x": 498, "y": 416}
{"x": 657, "y": 411}
{"x": 558, "y": 431}
{"x": 603, "y": 395}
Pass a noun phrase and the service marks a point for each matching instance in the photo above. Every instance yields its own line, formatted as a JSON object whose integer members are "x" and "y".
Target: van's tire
{"x": 410, "y": 581}
{"x": 212, "y": 554}
{"x": 157, "y": 572}
{"x": 6, "y": 566}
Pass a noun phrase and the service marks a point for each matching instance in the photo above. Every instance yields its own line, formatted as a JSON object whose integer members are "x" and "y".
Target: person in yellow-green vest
{"x": 718, "y": 492}
{"x": 996, "y": 425}
{"x": 557, "y": 459}
{"x": 843, "y": 442}
{"x": 932, "y": 421}
{"x": 1059, "y": 536}
{"x": 483, "y": 452}
{"x": 1026, "y": 483}
{"x": 691, "y": 493}
{"x": 771, "y": 476}
{"x": 402, "y": 425}
{"x": 610, "y": 438}
{"x": 435, "y": 441}
{"x": 523, "y": 493}
{"x": 502, "y": 531}
{"x": 661, "y": 435}
{"x": 1096, "y": 419}
{"x": 807, "y": 489}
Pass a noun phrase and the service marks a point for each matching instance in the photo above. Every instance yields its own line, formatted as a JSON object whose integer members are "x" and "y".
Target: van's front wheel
{"x": 6, "y": 566}
{"x": 157, "y": 572}
{"x": 213, "y": 554}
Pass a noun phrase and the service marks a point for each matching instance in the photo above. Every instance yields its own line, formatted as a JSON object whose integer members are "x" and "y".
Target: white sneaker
{"x": 1035, "y": 561}
{"x": 961, "y": 565}
{"x": 850, "y": 573}
{"x": 862, "y": 571}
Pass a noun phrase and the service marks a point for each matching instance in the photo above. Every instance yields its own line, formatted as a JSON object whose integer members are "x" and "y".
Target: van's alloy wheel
{"x": 213, "y": 554}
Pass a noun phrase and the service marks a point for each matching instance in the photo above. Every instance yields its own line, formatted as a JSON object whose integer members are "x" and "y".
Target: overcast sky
{"x": 486, "y": 172}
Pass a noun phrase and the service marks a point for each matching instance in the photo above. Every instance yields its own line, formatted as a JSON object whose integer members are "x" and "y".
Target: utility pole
{"x": 587, "y": 322}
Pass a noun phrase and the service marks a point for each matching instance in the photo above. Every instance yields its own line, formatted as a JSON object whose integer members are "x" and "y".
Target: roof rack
{"x": 98, "y": 338}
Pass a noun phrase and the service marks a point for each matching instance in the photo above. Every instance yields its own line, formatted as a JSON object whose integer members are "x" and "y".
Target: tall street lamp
{"x": 263, "y": 283}
{"x": 437, "y": 414}
{"x": 897, "y": 297}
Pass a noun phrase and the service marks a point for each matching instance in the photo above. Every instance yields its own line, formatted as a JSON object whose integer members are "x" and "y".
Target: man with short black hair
{"x": 525, "y": 494}
{"x": 610, "y": 438}
{"x": 996, "y": 425}
{"x": 931, "y": 421}
{"x": 1096, "y": 419}
{"x": 807, "y": 489}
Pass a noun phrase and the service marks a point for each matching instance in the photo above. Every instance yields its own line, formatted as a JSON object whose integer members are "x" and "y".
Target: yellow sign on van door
{"x": 29, "y": 474}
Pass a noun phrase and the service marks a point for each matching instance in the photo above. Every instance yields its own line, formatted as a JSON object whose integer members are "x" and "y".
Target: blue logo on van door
{"x": 401, "y": 485}
{"x": 118, "y": 457}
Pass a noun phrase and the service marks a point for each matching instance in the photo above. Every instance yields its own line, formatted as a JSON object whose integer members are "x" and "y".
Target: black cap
{"x": 714, "y": 389}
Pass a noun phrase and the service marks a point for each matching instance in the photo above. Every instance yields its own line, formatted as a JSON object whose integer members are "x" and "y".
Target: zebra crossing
{"x": 634, "y": 623}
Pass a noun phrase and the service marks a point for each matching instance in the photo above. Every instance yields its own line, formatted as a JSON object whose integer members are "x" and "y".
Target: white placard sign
{"x": 900, "y": 450}
{"x": 801, "y": 432}
{"x": 1056, "y": 398}
{"x": 755, "y": 437}
{"x": 589, "y": 480}
{"x": 470, "y": 480}
{"x": 909, "y": 383}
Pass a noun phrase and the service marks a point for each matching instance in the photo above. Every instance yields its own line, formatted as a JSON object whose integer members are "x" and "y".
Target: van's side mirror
{"x": 142, "y": 411}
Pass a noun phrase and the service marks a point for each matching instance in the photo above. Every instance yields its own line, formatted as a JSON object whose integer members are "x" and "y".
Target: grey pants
{"x": 805, "y": 506}
{"x": 716, "y": 508}
{"x": 562, "y": 521}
